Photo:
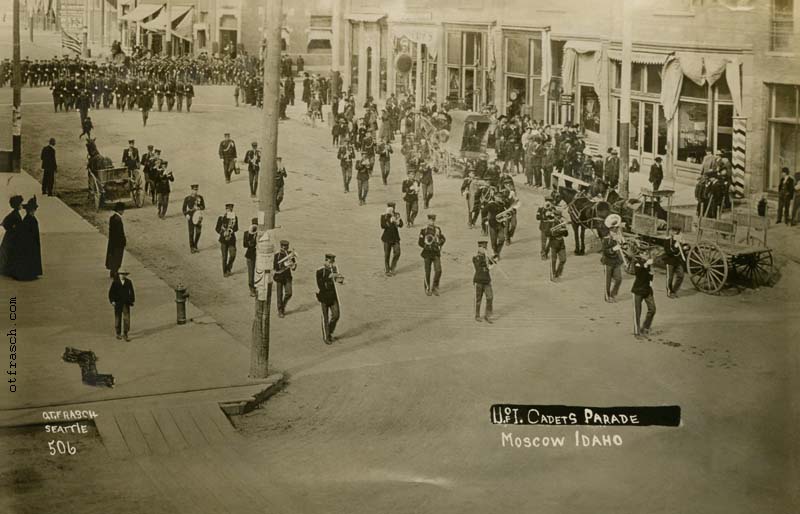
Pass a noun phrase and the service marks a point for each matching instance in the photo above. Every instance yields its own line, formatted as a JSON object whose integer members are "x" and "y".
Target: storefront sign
{"x": 428, "y": 36}
{"x": 567, "y": 99}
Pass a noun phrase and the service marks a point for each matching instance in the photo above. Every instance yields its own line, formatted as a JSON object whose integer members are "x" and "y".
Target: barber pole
{"x": 739, "y": 155}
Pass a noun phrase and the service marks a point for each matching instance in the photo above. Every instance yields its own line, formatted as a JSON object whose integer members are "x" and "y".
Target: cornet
{"x": 290, "y": 259}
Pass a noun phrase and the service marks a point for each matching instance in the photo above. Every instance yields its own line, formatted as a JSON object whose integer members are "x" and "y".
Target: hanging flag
{"x": 71, "y": 42}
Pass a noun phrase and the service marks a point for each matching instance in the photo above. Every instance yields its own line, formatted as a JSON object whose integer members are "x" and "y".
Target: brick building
{"x": 706, "y": 73}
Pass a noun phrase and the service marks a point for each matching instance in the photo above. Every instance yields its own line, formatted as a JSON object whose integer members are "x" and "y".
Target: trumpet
{"x": 227, "y": 231}
{"x": 622, "y": 243}
{"x": 505, "y": 215}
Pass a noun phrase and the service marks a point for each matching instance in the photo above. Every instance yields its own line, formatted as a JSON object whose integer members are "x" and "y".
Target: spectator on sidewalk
{"x": 785, "y": 195}
{"x": 11, "y": 224}
{"x": 796, "y": 208}
{"x": 121, "y": 296}
{"x": 116, "y": 240}
{"x": 656, "y": 174}
{"x": 27, "y": 264}
{"x": 49, "y": 167}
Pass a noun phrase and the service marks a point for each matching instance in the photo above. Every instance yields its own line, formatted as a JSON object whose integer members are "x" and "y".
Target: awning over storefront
{"x": 428, "y": 35}
{"x": 366, "y": 17}
{"x": 142, "y": 12}
{"x": 639, "y": 57}
{"x": 571, "y": 51}
{"x": 319, "y": 34}
{"x": 701, "y": 69}
{"x": 159, "y": 24}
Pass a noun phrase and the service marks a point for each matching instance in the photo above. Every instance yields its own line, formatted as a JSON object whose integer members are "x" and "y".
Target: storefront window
{"x": 636, "y": 77}
{"x": 472, "y": 48}
{"x": 692, "y": 90}
{"x": 662, "y": 131}
{"x": 537, "y": 57}
{"x": 465, "y": 72}
{"x": 692, "y": 131}
{"x": 516, "y": 88}
{"x": 617, "y": 75}
{"x": 654, "y": 78}
{"x": 725, "y": 128}
{"x": 517, "y": 56}
{"x": 785, "y": 101}
{"x": 784, "y": 132}
{"x": 454, "y": 48}
{"x": 590, "y": 110}
{"x": 453, "y": 82}
{"x": 634, "y": 126}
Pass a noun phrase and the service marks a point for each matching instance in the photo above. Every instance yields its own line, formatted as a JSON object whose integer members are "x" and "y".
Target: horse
{"x": 587, "y": 212}
{"x": 94, "y": 160}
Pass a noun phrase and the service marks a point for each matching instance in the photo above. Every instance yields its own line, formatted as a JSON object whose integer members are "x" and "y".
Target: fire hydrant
{"x": 180, "y": 301}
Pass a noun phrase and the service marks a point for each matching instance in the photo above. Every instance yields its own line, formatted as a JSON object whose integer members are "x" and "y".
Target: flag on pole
{"x": 71, "y": 42}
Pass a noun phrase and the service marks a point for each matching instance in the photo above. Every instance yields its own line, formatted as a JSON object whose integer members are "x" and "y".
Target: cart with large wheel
{"x": 108, "y": 184}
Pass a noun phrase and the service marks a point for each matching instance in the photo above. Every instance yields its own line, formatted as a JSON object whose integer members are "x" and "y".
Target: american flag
{"x": 71, "y": 42}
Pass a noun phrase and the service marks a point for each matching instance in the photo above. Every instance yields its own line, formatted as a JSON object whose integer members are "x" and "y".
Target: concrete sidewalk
{"x": 68, "y": 306}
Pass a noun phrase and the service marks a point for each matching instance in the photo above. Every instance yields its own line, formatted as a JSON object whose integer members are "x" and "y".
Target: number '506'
{"x": 61, "y": 448}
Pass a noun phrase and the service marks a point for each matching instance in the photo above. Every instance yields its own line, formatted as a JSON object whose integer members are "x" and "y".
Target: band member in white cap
{"x": 227, "y": 152}
{"x": 612, "y": 258}
{"x": 483, "y": 281}
{"x": 285, "y": 262}
{"x": 431, "y": 240}
{"x": 327, "y": 278}
{"x": 227, "y": 226}
{"x": 121, "y": 296}
{"x": 643, "y": 292}
{"x": 193, "y": 207}
{"x": 390, "y": 223}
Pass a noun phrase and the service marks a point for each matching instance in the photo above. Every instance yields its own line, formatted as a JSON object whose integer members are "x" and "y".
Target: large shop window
{"x": 466, "y": 69}
{"x": 705, "y": 120}
{"x": 590, "y": 110}
{"x": 354, "y": 61}
{"x": 523, "y": 77}
{"x": 782, "y": 25}
{"x": 784, "y": 131}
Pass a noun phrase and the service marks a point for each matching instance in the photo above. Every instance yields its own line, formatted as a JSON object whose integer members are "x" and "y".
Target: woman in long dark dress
{"x": 10, "y": 223}
{"x": 27, "y": 263}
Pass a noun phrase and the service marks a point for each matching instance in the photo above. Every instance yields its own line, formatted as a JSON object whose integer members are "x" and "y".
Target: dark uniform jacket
{"x": 390, "y": 232}
{"x": 192, "y": 203}
{"x": 610, "y": 257}
{"x": 49, "y": 158}
{"x": 555, "y": 235}
{"x": 130, "y": 158}
{"x": 281, "y": 272}
{"x": 482, "y": 275}
{"x": 643, "y": 278}
{"x": 253, "y": 160}
{"x": 227, "y": 149}
{"x": 162, "y": 182}
{"x": 656, "y": 173}
{"x": 220, "y": 229}
{"x": 326, "y": 286}
{"x": 434, "y": 249}
{"x": 410, "y": 190}
{"x": 121, "y": 293}
{"x": 672, "y": 253}
{"x": 786, "y": 187}
{"x": 249, "y": 242}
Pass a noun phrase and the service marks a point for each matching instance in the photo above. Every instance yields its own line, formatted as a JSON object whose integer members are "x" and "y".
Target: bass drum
{"x": 197, "y": 218}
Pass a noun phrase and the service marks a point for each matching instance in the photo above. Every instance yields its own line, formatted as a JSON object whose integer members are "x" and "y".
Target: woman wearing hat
{"x": 11, "y": 222}
{"x": 116, "y": 240}
{"x": 27, "y": 264}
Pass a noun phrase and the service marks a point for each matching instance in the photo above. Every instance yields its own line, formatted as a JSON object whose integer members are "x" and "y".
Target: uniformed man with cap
{"x": 327, "y": 278}
{"x": 483, "y": 281}
{"x": 193, "y": 204}
{"x": 643, "y": 292}
{"x": 227, "y": 226}
{"x": 390, "y": 223}
{"x": 130, "y": 156}
{"x": 253, "y": 160}
{"x": 284, "y": 263}
{"x": 556, "y": 231}
{"x": 612, "y": 257}
{"x": 431, "y": 240}
{"x": 227, "y": 152}
{"x": 250, "y": 242}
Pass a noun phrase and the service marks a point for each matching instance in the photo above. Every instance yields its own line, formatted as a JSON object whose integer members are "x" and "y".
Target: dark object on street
{"x": 762, "y": 207}
{"x": 86, "y": 360}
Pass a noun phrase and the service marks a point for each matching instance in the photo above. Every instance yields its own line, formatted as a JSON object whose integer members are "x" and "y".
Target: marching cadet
{"x": 390, "y": 223}
{"x": 122, "y": 92}
{"x": 145, "y": 102}
{"x": 280, "y": 182}
{"x": 130, "y": 157}
{"x": 133, "y": 93}
{"x": 327, "y": 278}
{"x": 483, "y": 281}
{"x": 384, "y": 156}
{"x": 427, "y": 184}
{"x": 147, "y": 168}
{"x": 227, "y": 152}
{"x": 161, "y": 89}
{"x": 193, "y": 206}
{"x": 188, "y": 93}
{"x": 253, "y": 160}
{"x": 346, "y": 156}
{"x": 169, "y": 92}
{"x": 556, "y": 231}
{"x": 179, "y": 89}
{"x": 163, "y": 178}
{"x": 249, "y": 242}
{"x": 410, "y": 189}
{"x": 545, "y": 217}
{"x": 431, "y": 240}
{"x": 497, "y": 227}
{"x": 363, "y": 174}
{"x": 612, "y": 258}
{"x": 108, "y": 91}
{"x": 87, "y": 127}
{"x": 227, "y": 226}
{"x": 675, "y": 260}
{"x": 285, "y": 262}
{"x": 643, "y": 292}
{"x": 58, "y": 96}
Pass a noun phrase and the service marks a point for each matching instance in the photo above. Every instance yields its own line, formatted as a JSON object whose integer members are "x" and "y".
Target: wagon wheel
{"x": 137, "y": 193}
{"x": 708, "y": 267}
{"x": 631, "y": 249}
{"x": 95, "y": 196}
{"x": 756, "y": 268}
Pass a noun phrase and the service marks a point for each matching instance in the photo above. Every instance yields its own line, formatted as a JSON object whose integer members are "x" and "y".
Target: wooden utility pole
{"x": 625, "y": 101}
{"x": 259, "y": 348}
{"x": 16, "y": 110}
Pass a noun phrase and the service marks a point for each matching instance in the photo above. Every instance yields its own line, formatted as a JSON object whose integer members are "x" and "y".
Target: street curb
{"x": 243, "y": 406}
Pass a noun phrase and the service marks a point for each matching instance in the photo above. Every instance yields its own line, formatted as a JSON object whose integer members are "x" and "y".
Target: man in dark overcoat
{"x": 116, "y": 240}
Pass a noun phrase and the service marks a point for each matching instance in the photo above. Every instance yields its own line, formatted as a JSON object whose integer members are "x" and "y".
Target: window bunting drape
{"x": 568, "y": 69}
{"x": 700, "y": 69}
{"x": 547, "y": 67}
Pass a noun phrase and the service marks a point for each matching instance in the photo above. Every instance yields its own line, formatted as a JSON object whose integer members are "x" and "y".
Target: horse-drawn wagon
{"x": 108, "y": 184}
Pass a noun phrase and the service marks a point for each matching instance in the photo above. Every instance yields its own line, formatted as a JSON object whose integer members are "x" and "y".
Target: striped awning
{"x": 365, "y": 17}
{"x": 142, "y": 12}
{"x": 159, "y": 24}
{"x": 639, "y": 57}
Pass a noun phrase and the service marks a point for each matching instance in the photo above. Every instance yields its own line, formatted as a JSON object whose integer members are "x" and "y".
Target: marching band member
{"x": 284, "y": 263}
{"x": 427, "y": 184}
{"x": 431, "y": 240}
{"x": 280, "y": 182}
{"x": 612, "y": 258}
{"x": 384, "y": 156}
{"x": 483, "y": 281}
{"x": 410, "y": 190}
{"x": 327, "y": 277}
{"x": 227, "y": 151}
{"x": 346, "y": 156}
{"x": 253, "y": 160}
{"x": 509, "y": 195}
{"x": 192, "y": 204}
{"x": 546, "y": 219}
{"x": 227, "y": 226}
{"x": 467, "y": 191}
{"x": 390, "y": 222}
{"x": 556, "y": 231}
{"x": 497, "y": 228}
{"x": 675, "y": 259}
{"x": 643, "y": 292}
{"x": 163, "y": 178}
{"x": 249, "y": 242}
{"x": 363, "y": 173}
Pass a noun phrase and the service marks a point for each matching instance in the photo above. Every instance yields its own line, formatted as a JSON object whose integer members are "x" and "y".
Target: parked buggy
{"x": 108, "y": 184}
